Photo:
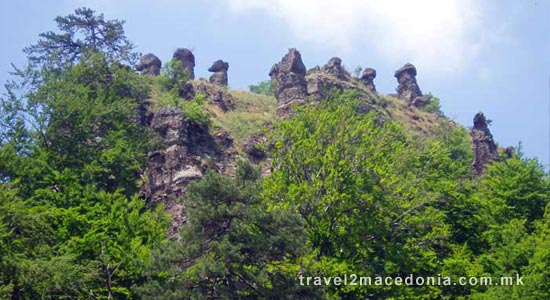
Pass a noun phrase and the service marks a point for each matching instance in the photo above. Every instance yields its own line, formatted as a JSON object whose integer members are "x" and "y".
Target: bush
{"x": 194, "y": 111}
{"x": 357, "y": 71}
{"x": 173, "y": 76}
{"x": 262, "y": 88}
{"x": 433, "y": 105}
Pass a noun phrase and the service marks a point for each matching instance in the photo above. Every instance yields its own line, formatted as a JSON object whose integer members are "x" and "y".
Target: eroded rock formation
{"x": 170, "y": 167}
{"x": 485, "y": 149}
{"x": 335, "y": 68}
{"x": 187, "y": 60}
{"x": 408, "y": 88}
{"x": 219, "y": 68}
{"x": 367, "y": 77}
{"x": 184, "y": 151}
{"x": 149, "y": 64}
{"x": 321, "y": 83}
{"x": 289, "y": 80}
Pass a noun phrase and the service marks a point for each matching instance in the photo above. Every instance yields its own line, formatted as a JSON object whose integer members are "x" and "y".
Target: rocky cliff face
{"x": 185, "y": 149}
{"x": 215, "y": 93}
{"x": 485, "y": 149}
{"x": 295, "y": 86}
{"x": 170, "y": 167}
{"x": 289, "y": 78}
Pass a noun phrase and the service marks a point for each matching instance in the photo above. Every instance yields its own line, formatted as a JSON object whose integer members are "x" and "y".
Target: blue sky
{"x": 491, "y": 56}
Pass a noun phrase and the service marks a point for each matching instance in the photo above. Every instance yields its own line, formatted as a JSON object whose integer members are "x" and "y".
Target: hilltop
{"x": 127, "y": 180}
{"x": 237, "y": 119}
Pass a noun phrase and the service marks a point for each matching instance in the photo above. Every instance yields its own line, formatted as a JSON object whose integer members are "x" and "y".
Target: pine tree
{"x": 232, "y": 246}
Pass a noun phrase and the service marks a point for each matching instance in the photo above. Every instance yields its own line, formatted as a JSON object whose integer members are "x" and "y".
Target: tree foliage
{"x": 72, "y": 151}
{"x": 348, "y": 193}
{"x": 262, "y": 88}
{"x": 232, "y": 246}
{"x": 80, "y": 35}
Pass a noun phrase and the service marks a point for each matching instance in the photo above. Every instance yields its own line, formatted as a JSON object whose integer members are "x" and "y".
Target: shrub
{"x": 433, "y": 105}
{"x": 194, "y": 111}
{"x": 262, "y": 88}
{"x": 357, "y": 71}
{"x": 173, "y": 76}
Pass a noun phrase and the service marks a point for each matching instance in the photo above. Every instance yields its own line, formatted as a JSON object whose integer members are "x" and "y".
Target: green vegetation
{"x": 433, "y": 105}
{"x": 262, "y": 88}
{"x": 173, "y": 76}
{"x": 386, "y": 193}
{"x": 71, "y": 222}
{"x": 357, "y": 71}
{"x": 167, "y": 89}
{"x": 233, "y": 247}
{"x": 251, "y": 113}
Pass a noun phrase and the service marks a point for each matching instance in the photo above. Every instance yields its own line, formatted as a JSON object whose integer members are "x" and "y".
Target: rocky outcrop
{"x": 216, "y": 94}
{"x": 485, "y": 149}
{"x": 219, "y": 68}
{"x": 170, "y": 167}
{"x": 335, "y": 68}
{"x": 420, "y": 102}
{"x": 187, "y": 60}
{"x": 289, "y": 83}
{"x": 149, "y": 64}
{"x": 408, "y": 88}
{"x": 320, "y": 84}
{"x": 183, "y": 153}
{"x": 367, "y": 77}
{"x": 252, "y": 146}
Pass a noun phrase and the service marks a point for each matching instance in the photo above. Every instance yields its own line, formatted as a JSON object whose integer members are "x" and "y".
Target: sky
{"x": 491, "y": 56}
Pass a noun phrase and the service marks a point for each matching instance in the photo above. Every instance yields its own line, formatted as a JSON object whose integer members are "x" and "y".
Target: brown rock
{"x": 219, "y": 68}
{"x": 224, "y": 138}
{"x": 509, "y": 152}
{"x": 184, "y": 151}
{"x": 170, "y": 167}
{"x": 407, "y": 89}
{"x": 419, "y": 102}
{"x": 368, "y": 78}
{"x": 320, "y": 84}
{"x": 289, "y": 82}
{"x": 252, "y": 146}
{"x": 187, "y": 60}
{"x": 149, "y": 64}
{"x": 485, "y": 149}
{"x": 334, "y": 67}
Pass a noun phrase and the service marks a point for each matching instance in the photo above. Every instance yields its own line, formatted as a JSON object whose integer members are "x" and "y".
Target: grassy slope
{"x": 252, "y": 111}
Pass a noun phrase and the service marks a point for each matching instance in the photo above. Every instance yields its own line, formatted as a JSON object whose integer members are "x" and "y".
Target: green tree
{"x": 515, "y": 188}
{"x": 262, "y": 88}
{"x": 84, "y": 36}
{"x": 433, "y": 105}
{"x": 368, "y": 193}
{"x": 232, "y": 247}
{"x": 357, "y": 71}
{"x": 73, "y": 147}
{"x": 80, "y": 35}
